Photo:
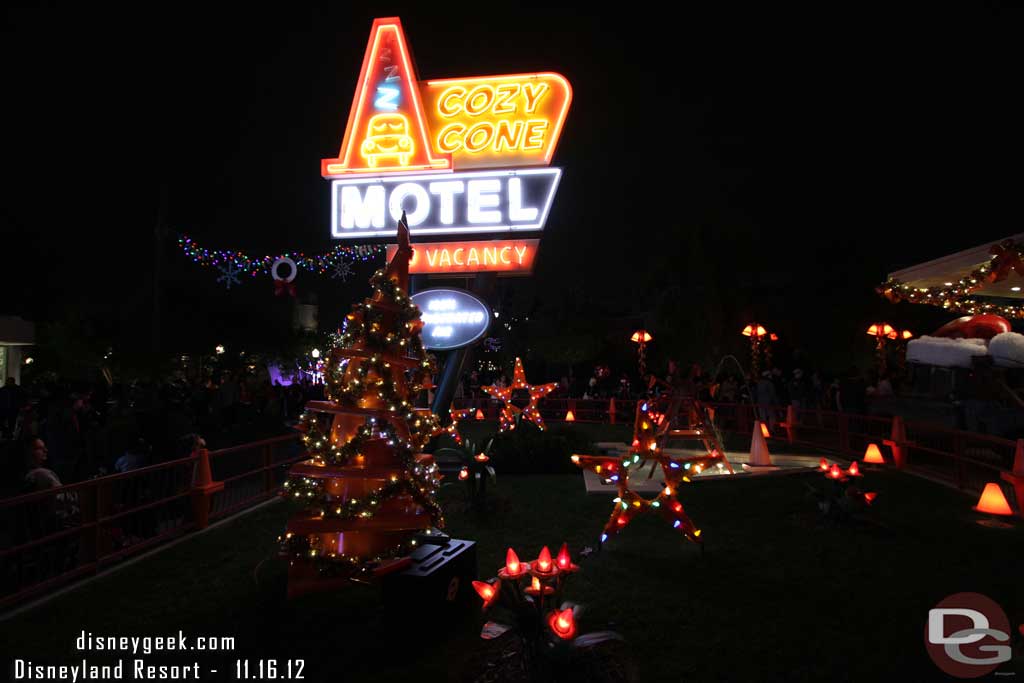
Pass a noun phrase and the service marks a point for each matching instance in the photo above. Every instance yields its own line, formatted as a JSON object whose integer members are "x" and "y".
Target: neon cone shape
{"x": 873, "y": 455}
{"x": 992, "y": 501}
{"x": 759, "y": 455}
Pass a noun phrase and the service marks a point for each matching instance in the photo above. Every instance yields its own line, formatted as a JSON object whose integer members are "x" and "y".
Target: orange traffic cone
{"x": 759, "y": 455}
{"x": 1016, "y": 477}
{"x": 203, "y": 488}
{"x": 899, "y": 437}
{"x": 790, "y": 424}
{"x": 873, "y": 455}
{"x": 992, "y": 501}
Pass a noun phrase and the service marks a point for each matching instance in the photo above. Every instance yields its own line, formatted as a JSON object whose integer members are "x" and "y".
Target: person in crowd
{"x": 134, "y": 458}
{"x": 884, "y": 386}
{"x": 12, "y": 399}
{"x": 852, "y": 392}
{"x": 797, "y": 389}
{"x": 39, "y": 477}
{"x": 767, "y": 399}
{"x": 728, "y": 390}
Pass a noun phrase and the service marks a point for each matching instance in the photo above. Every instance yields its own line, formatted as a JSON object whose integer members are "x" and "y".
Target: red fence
{"x": 52, "y": 537}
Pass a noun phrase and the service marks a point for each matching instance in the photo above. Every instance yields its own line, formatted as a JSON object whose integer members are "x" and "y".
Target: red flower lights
{"x": 562, "y": 623}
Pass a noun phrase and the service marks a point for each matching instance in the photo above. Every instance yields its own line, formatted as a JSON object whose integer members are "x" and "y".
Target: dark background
{"x": 719, "y": 166}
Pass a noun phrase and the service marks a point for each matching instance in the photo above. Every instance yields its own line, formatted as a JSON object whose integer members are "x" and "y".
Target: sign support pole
{"x": 481, "y": 285}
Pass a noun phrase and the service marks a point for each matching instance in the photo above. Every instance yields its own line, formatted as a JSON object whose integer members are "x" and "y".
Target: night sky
{"x": 718, "y": 167}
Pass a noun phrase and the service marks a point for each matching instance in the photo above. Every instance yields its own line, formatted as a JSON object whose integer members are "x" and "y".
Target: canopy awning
{"x": 947, "y": 271}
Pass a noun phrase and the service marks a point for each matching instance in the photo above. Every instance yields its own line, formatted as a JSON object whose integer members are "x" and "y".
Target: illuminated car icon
{"x": 387, "y": 137}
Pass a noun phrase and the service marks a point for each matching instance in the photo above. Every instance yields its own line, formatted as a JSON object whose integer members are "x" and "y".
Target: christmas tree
{"x": 366, "y": 490}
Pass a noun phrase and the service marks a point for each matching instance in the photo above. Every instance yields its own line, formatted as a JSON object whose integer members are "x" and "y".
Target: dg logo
{"x": 968, "y": 635}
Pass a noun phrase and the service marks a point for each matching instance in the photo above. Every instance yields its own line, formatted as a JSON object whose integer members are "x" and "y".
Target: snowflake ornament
{"x": 342, "y": 269}
{"x": 229, "y": 275}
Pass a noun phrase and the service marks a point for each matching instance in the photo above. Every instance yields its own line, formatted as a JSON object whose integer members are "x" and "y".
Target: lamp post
{"x": 881, "y": 332}
{"x": 756, "y": 333}
{"x": 642, "y": 337}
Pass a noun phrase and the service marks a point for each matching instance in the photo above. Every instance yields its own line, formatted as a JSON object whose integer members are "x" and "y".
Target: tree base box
{"x": 439, "y": 580}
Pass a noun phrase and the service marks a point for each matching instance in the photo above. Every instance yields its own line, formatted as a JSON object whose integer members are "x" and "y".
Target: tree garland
{"x": 956, "y": 297}
{"x": 305, "y": 548}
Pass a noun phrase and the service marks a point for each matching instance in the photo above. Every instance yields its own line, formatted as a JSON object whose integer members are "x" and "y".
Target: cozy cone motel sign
{"x": 465, "y": 158}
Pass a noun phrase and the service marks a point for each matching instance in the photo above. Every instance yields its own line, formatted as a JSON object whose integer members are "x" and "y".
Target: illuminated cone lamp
{"x": 479, "y": 414}
{"x": 873, "y": 455}
{"x": 823, "y": 465}
{"x": 993, "y": 502}
{"x": 569, "y": 416}
{"x": 537, "y": 588}
{"x": 562, "y": 624}
{"x": 487, "y": 592}
{"x": 464, "y": 474}
{"x": 642, "y": 338}
{"x": 756, "y": 333}
{"x": 854, "y": 470}
{"x": 544, "y": 566}
{"x": 759, "y": 454}
{"x": 564, "y": 561}
{"x": 513, "y": 567}
{"x": 481, "y": 457}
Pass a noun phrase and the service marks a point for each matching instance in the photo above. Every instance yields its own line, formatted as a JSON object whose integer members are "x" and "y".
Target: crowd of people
{"x": 57, "y": 433}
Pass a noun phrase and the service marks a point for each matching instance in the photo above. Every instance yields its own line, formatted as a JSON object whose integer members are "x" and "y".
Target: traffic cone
{"x": 759, "y": 455}
{"x": 202, "y": 477}
{"x": 992, "y": 501}
{"x": 1016, "y": 477}
{"x": 790, "y": 424}
{"x": 203, "y": 488}
{"x": 873, "y": 455}
{"x": 895, "y": 443}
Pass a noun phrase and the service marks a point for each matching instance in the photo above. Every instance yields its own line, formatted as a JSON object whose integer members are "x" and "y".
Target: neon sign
{"x": 489, "y": 121}
{"x": 386, "y": 128}
{"x": 458, "y": 203}
{"x": 398, "y": 124}
{"x": 508, "y": 257}
{"x": 452, "y": 318}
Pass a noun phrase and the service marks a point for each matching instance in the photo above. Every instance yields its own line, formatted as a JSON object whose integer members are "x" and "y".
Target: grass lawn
{"x": 779, "y": 594}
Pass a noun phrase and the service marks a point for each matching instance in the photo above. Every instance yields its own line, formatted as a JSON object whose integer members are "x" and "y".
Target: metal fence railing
{"x": 52, "y": 537}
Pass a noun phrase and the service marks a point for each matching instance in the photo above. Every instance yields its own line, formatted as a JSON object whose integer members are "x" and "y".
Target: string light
{"x": 256, "y": 265}
{"x": 955, "y": 297}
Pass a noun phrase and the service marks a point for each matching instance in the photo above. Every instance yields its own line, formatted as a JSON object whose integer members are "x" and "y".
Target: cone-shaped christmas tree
{"x": 366, "y": 490}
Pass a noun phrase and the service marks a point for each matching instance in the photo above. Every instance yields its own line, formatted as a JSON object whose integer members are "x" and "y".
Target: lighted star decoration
{"x": 649, "y": 430}
{"x": 509, "y": 412}
{"x": 453, "y": 429}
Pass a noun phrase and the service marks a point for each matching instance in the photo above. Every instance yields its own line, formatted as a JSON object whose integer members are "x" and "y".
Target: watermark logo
{"x": 968, "y": 635}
